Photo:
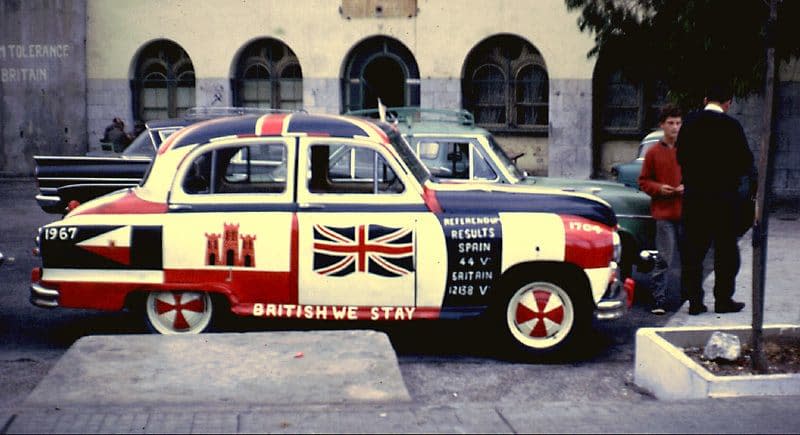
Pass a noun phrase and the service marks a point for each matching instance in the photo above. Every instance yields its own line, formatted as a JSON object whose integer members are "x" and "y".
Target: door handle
{"x": 180, "y": 207}
{"x": 307, "y": 206}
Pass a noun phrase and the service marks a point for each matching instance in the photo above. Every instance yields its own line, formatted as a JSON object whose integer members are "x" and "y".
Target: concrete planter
{"x": 664, "y": 369}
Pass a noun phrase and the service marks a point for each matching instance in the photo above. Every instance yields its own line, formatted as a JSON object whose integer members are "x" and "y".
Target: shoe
{"x": 658, "y": 311}
{"x": 729, "y": 307}
{"x": 697, "y": 309}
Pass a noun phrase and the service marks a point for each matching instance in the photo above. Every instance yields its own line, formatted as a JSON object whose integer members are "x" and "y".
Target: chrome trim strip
{"x": 48, "y": 200}
{"x": 126, "y": 180}
{"x": 98, "y": 158}
{"x": 634, "y": 216}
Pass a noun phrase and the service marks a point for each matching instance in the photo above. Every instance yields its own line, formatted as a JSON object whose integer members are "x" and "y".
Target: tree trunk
{"x": 761, "y": 222}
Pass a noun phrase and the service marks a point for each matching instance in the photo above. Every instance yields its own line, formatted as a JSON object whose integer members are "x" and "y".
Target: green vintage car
{"x": 628, "y": 173}
{"x": 456, "y": 150}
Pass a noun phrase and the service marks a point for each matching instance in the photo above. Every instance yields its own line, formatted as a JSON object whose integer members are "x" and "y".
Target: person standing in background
{"x": 714, "y": 156}
{"x": 661, "y": 179}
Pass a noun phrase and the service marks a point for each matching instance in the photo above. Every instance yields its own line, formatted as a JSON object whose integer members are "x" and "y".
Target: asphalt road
{"x": 442, "y": 363}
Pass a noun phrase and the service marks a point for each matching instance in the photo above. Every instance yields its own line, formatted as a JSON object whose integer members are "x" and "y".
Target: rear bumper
{"x": 42, "y": 296}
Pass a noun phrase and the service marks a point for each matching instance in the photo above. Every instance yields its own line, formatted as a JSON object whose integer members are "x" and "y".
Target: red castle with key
{"x": 232, "y": 253}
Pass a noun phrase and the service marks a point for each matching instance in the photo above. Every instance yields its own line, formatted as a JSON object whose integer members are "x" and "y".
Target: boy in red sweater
{"x": 661, "y": 179}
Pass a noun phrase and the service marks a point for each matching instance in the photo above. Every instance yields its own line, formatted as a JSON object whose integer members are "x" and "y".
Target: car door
{"x": 359, "y": 225}
{"x": 231, "y": 220}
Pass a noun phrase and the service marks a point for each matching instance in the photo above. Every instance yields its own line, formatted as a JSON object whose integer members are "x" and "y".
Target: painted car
{"x": 628, "y": 173}
{"x": 456, "y": 150}
{"x": 259, "y": 215}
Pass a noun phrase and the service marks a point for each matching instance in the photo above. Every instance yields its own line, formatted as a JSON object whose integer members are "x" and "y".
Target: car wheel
{"x": 178, "y": 312}
{"x": 542, "y": 317}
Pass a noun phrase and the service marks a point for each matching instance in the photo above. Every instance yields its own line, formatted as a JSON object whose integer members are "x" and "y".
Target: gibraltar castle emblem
{"x": 231, "y": 253}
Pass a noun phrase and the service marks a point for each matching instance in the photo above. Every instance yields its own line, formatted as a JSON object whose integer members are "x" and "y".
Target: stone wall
{"x": 42, "y": 81}
{"x": 570, "y": 153}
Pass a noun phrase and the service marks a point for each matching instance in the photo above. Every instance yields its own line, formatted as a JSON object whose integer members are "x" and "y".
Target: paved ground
{"x": 781, "y": 285}
{"x": 755, "y": 415}
{"x": 261, "y": 368}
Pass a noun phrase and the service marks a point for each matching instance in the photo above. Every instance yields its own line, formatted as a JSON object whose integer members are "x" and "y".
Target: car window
{"x": 163, "y": 133}
{"x": 454, "y": 159}
{"x": 142, "y": 146}
{"x": 341, "y": 168}
{"x": 504, "y": 159}
{"x": 450, "y": 161}
{"x": 481, "y": 169}
{"x": 258, "y": 168}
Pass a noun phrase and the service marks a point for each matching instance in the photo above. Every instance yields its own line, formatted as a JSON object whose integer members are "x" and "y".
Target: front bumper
{"x": 616, "y": 301}
{"x": 42, "y": 296}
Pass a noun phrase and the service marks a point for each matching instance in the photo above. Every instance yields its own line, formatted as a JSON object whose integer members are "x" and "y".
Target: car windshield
{"x": 646, "y": 146}
{"x": 142, "y": 146}
{"x": 505, "y": 160}
{"x": 418, "y": 169}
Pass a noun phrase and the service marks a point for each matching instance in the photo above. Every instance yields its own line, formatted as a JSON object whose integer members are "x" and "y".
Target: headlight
{"x": 617, "y": 253}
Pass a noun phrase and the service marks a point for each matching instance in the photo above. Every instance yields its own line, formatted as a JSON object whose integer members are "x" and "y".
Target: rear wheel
{"x": 178, "y": 312}
{"x": 542, "y": 316}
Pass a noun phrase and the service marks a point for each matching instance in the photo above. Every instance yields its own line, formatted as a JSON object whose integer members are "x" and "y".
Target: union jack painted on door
{"x": 369, "y": 248}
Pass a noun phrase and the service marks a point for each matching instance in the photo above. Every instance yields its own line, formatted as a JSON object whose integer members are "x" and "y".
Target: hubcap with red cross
{"x": 540, "y": 315}
{"x": 178, "y": 312}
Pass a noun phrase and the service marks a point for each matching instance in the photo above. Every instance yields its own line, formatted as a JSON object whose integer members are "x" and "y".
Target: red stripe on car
{"x": 270, "y": 125}
{"x": 294, "y": 253}
{"x": 130, "y": 203}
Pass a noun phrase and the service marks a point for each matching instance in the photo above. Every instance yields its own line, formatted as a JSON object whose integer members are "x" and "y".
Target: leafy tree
{"x": 689, "y": 43}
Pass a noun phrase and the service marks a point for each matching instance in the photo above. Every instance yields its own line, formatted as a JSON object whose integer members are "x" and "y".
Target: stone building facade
{"x": 520, "y": 66}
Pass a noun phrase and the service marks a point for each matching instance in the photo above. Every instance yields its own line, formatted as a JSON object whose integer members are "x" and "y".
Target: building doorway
{"x": 384, "y": 78}
{"x": 379, "y": 67}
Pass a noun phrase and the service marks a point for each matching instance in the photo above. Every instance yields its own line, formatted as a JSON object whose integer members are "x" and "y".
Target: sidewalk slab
{"x": 751, "y": 415}
{"x": 232, "y": 369}
{"x": 781, "y": 303}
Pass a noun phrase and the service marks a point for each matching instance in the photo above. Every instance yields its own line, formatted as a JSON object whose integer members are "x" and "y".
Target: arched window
{"x": 505, "y": 85}
{"x": 268, "y": 75}
{"x": 628, "y": 100}
{"x": 164, "y": 85}
{"x": 380, "y": 67}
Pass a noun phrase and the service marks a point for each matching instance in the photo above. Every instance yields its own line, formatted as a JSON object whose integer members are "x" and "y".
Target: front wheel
{"x": 543, "y": 317}
{"x": 178, "y": 312}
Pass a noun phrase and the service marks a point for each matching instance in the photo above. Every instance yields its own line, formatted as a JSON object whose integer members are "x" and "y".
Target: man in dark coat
{"x": 714, "y": 156}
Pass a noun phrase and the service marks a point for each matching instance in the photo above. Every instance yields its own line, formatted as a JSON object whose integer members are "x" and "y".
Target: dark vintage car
{"x": 261, "y": 216}
{"x": 455, "y": 150}
{"x": 62, "y": 179}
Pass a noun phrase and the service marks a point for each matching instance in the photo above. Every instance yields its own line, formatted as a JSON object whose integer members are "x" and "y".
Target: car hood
{"x": 623, "y": 199}
{"x": 482, "y": 197}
